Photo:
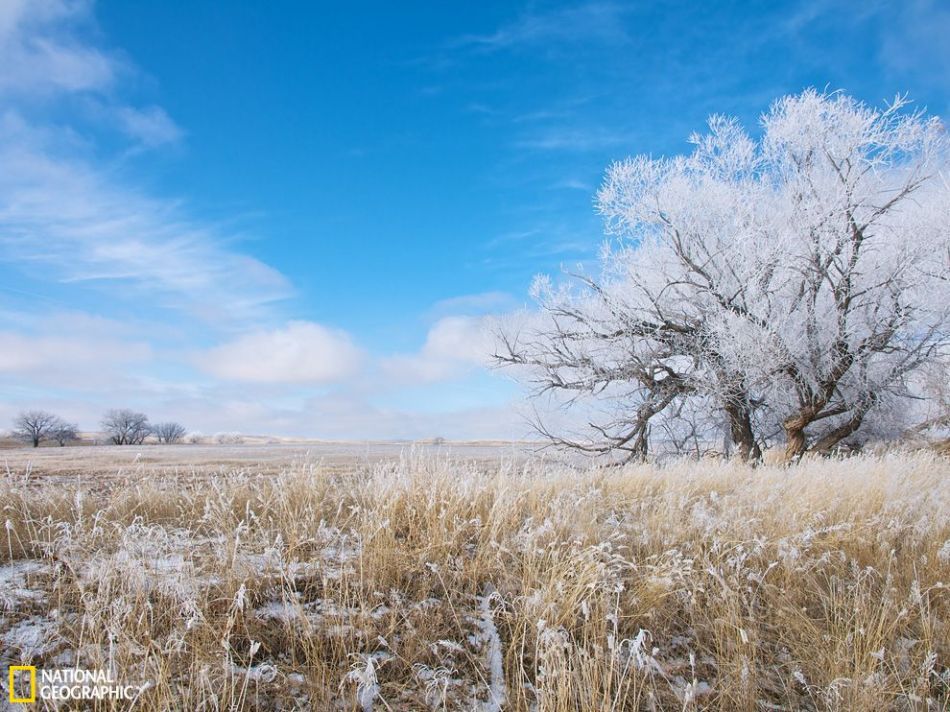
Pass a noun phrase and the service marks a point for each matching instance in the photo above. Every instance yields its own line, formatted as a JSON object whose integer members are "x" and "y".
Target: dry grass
{"x": 426, "y": 583}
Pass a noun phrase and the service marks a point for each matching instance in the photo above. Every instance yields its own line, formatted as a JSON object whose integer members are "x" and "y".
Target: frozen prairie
{"x": 479, "y": 577}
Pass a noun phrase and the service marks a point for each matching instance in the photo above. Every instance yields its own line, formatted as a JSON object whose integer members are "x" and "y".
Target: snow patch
{"x": 14, "y": 588}
{"x": 490, "y": 642}
{"x": 34, "y": 637}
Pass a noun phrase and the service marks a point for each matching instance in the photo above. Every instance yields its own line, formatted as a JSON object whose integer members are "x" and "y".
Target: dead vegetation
{"x": 432, "y": 583}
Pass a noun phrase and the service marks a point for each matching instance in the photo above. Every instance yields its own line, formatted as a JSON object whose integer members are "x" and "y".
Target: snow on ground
{"x": 15, "y": 588}
{"x": 366, "y": 578}
{"x": 31, "y": 638}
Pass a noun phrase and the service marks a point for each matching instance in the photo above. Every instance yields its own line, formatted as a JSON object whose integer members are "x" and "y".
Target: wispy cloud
{"x": 574, "y": 184}
{"x": 575, "y": 138}
{"x": 40, "y": 54}
{"x": 79, "y": 223}
{"x": 586, "y": 22}
{"x": 72, "y": 212}
{"x": 473, "y": 304}
{"x": 151, "y": 126}
{"x": 918, "y": 39}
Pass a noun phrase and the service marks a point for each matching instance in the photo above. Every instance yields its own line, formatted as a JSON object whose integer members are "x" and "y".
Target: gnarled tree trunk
{"x": 743, "y": 435}
{"x": 795, "y": 441}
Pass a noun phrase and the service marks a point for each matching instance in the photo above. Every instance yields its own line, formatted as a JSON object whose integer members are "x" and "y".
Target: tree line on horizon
{"x": 122, "y": 426}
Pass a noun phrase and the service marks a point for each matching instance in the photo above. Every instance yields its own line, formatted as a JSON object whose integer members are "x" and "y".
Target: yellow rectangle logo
{"x": 21, "y": 668}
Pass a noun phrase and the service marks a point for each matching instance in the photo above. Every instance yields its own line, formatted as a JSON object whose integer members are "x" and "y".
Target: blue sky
{"x": 292, "y": 218}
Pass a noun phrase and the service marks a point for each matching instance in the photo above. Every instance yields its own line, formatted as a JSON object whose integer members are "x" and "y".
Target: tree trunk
{"x": 640, "y": 447}
{"x": 827, "y": 442}
{"x": 36, "y": 441}
{"x": 740, "y": 428}
{"x": 795, "y": 442}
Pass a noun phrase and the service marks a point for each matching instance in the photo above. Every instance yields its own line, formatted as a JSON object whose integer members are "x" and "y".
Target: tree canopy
{"x": 792, "y": 287}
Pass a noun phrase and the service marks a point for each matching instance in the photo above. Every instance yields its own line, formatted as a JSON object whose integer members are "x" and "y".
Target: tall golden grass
{"x": 432, "y": 583}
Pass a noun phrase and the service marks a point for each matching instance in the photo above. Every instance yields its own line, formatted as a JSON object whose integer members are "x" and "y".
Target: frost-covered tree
{"x": 600, "y": 348}
{"x": 788, "y": 286}
{"x": 126, "y": 427}
{"x": 932, "y": 388}
{"x": 64, "y": 433}
{"x": 169, "y": 433}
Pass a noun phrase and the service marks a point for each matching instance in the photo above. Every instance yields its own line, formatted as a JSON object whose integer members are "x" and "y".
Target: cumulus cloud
{"x": 301, "y": 352}
{"x": 454, "y": 345}
{"x": 73, "y": 211}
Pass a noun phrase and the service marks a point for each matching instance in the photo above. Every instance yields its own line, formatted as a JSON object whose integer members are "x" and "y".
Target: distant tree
{"x": 126, "y": 427}
{"x": 34, "y": 426}
{"x": 169, "y": 433}
{"x": 64, "y": 432}
{"x": 229, "y": 438}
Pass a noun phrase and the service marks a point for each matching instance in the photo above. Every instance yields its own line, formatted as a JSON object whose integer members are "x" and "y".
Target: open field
{"x": 298, "y": 578}
{"x": 108, "y": 462}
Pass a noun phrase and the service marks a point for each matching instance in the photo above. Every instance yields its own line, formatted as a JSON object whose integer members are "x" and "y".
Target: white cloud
{"x": 355, "y": 419}
{"x": 39, "y": 53}
{"x": 70, "y": 212}
{"x": 600, "y": 22}
{"x": 43, "y": 354}
{"x": 454, "y": 346}
{"x": 573, "y": 184}
{"x": 150, "y": 126}
{"x": 480, "y": 303}
{"x": 583, "y": 138}
{"x": 338, "y": 416}
{"x": 77, "y": 223}
{"x": 916, "y": 39}
{"x": 459, "y": 338}
{"x": 301, "y": 352}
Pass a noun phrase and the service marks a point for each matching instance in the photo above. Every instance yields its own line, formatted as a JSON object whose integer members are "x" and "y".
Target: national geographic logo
{"x": 17, "y": 675}
{"x": 26, "y": 685}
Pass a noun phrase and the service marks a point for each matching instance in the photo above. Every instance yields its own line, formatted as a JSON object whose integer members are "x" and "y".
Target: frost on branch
{"x": 789, "y": 288}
